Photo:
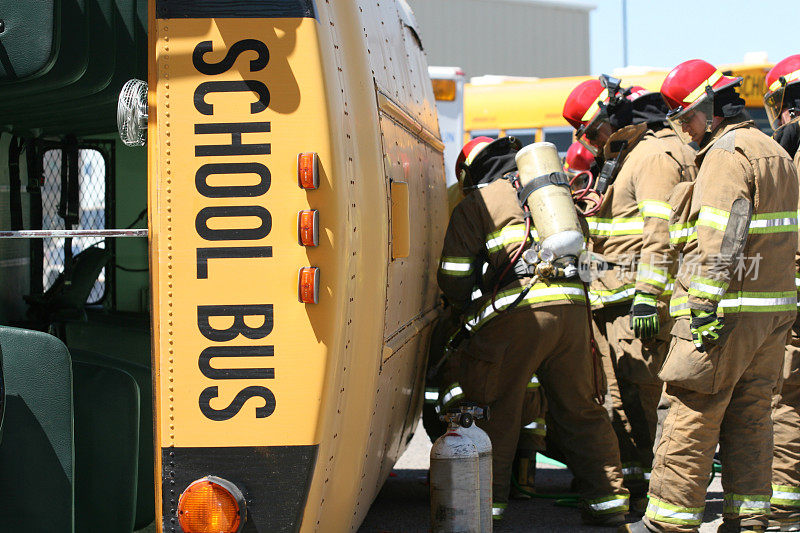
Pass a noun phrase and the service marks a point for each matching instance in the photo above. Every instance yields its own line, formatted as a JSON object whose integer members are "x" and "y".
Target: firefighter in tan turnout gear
{"x": 782, "y": 102}
{"x": 518, "y": 328}
{"x": 734, "y": 301}
{"x": 643, "y": 161}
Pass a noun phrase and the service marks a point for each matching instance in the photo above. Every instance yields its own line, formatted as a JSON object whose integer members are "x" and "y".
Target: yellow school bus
{"x": 530, "y": 109}
{"x": 225, "y": 329}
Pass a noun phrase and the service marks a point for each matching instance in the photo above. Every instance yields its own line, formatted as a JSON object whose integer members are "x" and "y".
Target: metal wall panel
{"x": 506, "y": 37}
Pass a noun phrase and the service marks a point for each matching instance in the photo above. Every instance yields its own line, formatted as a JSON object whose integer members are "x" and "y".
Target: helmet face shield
{"x": 693, "y": 121}
{"x": 773, "y": 104}
{"x": 589, "y": 134}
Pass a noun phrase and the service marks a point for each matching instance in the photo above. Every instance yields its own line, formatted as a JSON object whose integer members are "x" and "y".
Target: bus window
{"x": 494, "y": 134}
{"x": 92, "y": 213}
{"x": 561, "y": 137}
{"x": 759, "y": 115}
{"x": 526, "y": 137}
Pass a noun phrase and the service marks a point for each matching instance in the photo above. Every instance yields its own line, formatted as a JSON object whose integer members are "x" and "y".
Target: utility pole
{"x": 624, "y": 33}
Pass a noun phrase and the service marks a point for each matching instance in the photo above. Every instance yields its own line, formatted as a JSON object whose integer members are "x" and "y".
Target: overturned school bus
{"x": 225, "y": 329}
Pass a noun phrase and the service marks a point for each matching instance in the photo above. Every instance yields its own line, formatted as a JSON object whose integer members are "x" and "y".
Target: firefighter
{"x": 782, "y": 102}
{"x": 442, "y": 389}
{"x": 643, "y": 161}
{"x": 516, "y": 332}
{"x": 734, "y": 301}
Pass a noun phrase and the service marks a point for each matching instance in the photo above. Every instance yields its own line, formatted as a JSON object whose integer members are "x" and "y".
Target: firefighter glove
{"x": 705, "y": 327}
{"x": 644, "y": 316}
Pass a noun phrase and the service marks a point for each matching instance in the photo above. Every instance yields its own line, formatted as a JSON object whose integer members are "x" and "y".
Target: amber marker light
{"x": 444, "y": 90}
{"x": 308, "y": 170}
{"x": 212, "y": 505}
{"x": 308, "y": 285}
{"x": 308, "y": 227}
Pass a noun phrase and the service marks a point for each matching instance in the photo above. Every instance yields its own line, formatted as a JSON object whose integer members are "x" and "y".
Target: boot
{"x": 601, "y": 520}
{"x": 636, "y": 527}
{"x": 525, "y": 475}
{"x": 735, "y": 526}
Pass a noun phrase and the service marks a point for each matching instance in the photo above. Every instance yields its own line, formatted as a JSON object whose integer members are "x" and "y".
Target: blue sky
{"x": 663, "y": 34}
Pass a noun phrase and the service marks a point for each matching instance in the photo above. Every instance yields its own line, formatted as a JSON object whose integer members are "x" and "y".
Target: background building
{"x": 506, "y": 37}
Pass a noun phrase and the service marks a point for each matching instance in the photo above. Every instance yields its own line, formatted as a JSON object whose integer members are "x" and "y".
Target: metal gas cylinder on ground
{"x": 484, "y": 445}
{"x": 455, "y": 487}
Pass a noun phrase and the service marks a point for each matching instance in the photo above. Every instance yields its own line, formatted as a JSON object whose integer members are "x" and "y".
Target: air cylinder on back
{"x": 455, "y": 489}
{"x": 549, "y": 199}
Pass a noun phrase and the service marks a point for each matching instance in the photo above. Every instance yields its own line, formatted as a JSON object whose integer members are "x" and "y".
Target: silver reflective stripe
{"x": 652, "y": 274}
{"x": 757, "y": 302}
{"x": 532, "y": 295}
{"x": 747, "y": 504}
{"x": 610, "y": 504}
{"x": 535, "y": 425}
{"x": 774, "y": 222}
{"x": 682, "y": 233}
{"x": 609, "y": 298}
{"x": 654, "y": 511}
{"x": 456, "y": 267}
{"x": 627, "y": 471}
{"x": 783, "y": 495}
{"x": 452, "y": 393}
{"x": 611, "y": 228}
{"x": 709, "y": 289}
{"x": 476, "y": 294}
{"x": 646, "y": 474}
{"x": 431, "y": 396}
{"x": 534, "y": 379}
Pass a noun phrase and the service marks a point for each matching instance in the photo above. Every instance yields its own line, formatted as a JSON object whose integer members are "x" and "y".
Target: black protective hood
{"x": 728, "y": 103}
{"x": 497, "y": 159}
{"x": 788, "y": 136}
{"x": 651, "y": 109}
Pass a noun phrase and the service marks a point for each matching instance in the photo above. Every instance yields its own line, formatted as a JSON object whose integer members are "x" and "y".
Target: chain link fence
{"x": 92, "y": 213}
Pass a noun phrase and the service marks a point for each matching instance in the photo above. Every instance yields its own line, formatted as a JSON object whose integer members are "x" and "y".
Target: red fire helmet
{"x": 686, "y": 83}
{"x": 783, "y": 75}
{"x": 583, "y": 103}
{"x": 468, "y": 154}
{"x": 578, "y": 158}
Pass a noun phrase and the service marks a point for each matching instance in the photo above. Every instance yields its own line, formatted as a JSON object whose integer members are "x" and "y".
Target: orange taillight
{"x": 308, "y": 170}
{"x": 308, "y": 285}
{"x": 211, "y": 505}
{"x": 308, "y": 227}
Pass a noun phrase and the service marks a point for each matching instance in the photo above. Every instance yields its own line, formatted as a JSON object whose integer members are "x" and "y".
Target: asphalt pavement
{"x": 402, "y": 506}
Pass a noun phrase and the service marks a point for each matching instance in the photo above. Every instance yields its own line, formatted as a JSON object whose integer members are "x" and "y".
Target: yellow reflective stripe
{"x": 758, "y": 302}
{"x": 682, "y": 232}
{"x": 511, "y": 234}
{"x": 593, "y": 109}
{"x": 537, "y": 427}
{"x": 746, "y": 504}
{"x": 785, "y": 495}
{"x": 707, "y": 288}
{"x": 713, "y": 218}
{"x": 789, "y": 78}
{"x": 474, "y": 153}
{"x": 608, "y": 505}
{"x": 649, "y": 274}
{"x": 701, "y": 89}
{"x": 779, "y": 222}
{"x": 615, "y": 226}
{"x": 456, "y": 266}
{"x": 534, "y": 382}
{"x": 673, "y": 514}
{"x": 654, "y": 209}
{"x": 571, "y": 292}
{"x": 604, "y": 297}
{"x": 679, "y": 306}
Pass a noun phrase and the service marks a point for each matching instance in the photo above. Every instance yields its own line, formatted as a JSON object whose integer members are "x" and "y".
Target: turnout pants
{"x": 786, "y": 427}
{"x": 722, "y": 395}
{"x": 553, "y": 342}
{"x": 633, "y": 388}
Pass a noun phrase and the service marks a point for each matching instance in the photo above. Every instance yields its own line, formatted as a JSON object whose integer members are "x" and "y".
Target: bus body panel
{"x": 242, "y": 369}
